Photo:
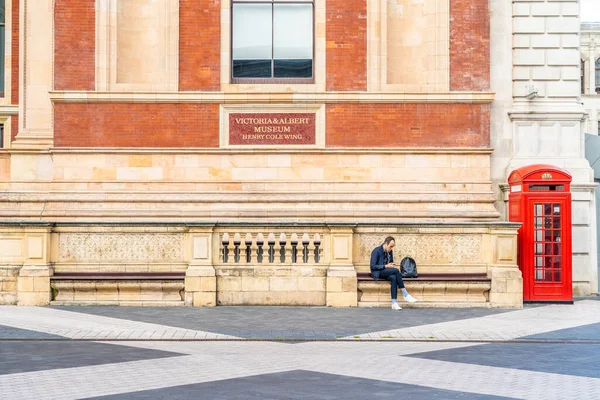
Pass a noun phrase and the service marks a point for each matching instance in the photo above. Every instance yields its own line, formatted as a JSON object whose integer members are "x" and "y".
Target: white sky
{"x": 590, "y": 10}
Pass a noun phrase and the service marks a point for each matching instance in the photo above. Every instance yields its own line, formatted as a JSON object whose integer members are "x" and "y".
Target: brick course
{"x": 408, "y": 125}
{"x": 74, "y": 44}
{"x": 199, "y": 45}
{"x": 346, "y": 36}
{"x": 469, "y": 45}
{"x": 136, "y": 125}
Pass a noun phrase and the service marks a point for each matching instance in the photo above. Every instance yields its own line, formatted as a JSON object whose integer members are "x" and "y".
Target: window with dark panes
{"x": 582, "y": 77}
{"x": 2, "y": 45}
{"x": 598, "y": 75}
{"x": 272, "y": 40}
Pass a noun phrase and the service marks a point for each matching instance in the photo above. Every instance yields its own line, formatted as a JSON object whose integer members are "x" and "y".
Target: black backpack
{"x": 408, "y": 268}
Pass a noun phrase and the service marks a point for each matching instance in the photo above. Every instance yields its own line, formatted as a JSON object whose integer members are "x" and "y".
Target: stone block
{"x": 563, "y": 57}
{"x": 562, "y": 24}
{"x": 506, "y": 300}
{"x": 255, "y": 284}
{"x": 25, "y": 284}
{"x": 514, "y": 285}
{"x": 283, "y": 284}
{"x": 349, "y": 284}
{"x": 9, "y": 285}
{"x": 521, "y": 10}
{"x": 545, "y": 9}
{"x": 341, "y": 299}
{"x": 334, "y": 284}
{"x": 312, "y": 284}
{"x": 204, "y": 299}
{"x": 229, "y": 284}
{"x": 528, "y": 25}
{"x": 529, "y": 57}
{"x": 209, "y": 284}
{"x": 41, "y": 284}
{"x": 8, "y": 299}
{"x": 193, "y": 284}
{"x": 33, "y": 298}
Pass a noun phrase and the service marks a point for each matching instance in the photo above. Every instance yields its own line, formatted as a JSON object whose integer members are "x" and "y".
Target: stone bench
{"x": 431, "y": 290}
{"x": 118, "y": 288}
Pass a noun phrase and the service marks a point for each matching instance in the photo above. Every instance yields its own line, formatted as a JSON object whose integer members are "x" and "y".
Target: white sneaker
{"x": 410, "y": 299}
{"x": 396, "y": 306}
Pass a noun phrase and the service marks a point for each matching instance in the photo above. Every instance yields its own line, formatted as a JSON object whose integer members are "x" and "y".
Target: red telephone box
{"x": 540, "y": 198}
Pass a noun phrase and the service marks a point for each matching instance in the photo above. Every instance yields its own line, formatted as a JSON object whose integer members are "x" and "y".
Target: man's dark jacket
{"x": 379, "y": 259}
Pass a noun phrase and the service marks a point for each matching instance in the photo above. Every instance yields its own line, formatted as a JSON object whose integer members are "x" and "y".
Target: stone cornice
{"x": 345, "y": 150}
{"x": 9, "y": 109}
{"x": 270, "y": 97}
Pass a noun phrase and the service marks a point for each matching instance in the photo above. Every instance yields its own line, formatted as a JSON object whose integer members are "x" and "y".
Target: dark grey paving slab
{"x": 287, "y": 322}
{"x": 300, "y": 385}
{"x": 566, "y": 359}
{"x": 27, "y": 356}
{"x": 580, "y": 333}
{"x": 8, "y": 332}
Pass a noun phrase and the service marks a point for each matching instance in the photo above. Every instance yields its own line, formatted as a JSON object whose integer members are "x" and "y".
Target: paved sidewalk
{"x": 300, "y": 323}
{"x": 539, "y": 352}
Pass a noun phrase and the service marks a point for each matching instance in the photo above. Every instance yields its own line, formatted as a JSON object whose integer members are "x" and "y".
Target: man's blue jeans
{"x": 393, "y": 275}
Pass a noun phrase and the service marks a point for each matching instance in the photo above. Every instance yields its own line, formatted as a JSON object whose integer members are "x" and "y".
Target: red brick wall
{"x": 136, "y": 125}
{"x": 469, "y": 45}
{"x": 346, "y": 35}
{"x": 74, "y": 44}
{"x": 14, "y": 87}
{"x": 408, "y": 125}
{"x": 199, "y": 44}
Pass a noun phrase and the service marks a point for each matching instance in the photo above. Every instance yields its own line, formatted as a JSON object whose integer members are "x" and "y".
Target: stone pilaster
{"x": 341, "y": 275}
{"x": 500, "y": 247}
{"x": 35, "y": 80}
{"x": 200, "y": 278}
{"x": 33, "y": 283}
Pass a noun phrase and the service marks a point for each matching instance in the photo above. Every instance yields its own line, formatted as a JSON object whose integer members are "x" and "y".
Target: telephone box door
{"x": 550, "y": 254}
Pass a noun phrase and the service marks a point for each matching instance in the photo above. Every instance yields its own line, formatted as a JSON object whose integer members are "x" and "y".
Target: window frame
{"x": 597, "y": 75}
{"x": 273, "y": 80}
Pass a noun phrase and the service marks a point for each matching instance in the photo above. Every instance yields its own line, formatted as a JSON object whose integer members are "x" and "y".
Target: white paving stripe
{"x": 486, "y": 380}
{"x": 76, "y": 325}
{"x": 213, "y": 361}
{"x": 505, "y": 326}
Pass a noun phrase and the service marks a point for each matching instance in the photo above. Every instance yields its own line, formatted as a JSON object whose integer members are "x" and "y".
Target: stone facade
{"x": 101, "y": 132}
{"x": 590, "y": 88}
{"x": 537, "y": 116}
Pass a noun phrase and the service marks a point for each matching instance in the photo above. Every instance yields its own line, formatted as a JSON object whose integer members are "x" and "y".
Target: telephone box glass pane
{"x": 538, "y": 235}
{"x": 539, "y": 262}
{"x": 557, "y": 275}
{"x": 538, "y": 274}
{"x": 557, "y": 249}
{"x": 556, "y": 209}
{"x": 548, "y": 248}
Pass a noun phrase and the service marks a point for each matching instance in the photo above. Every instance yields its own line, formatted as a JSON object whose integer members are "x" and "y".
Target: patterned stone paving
{"x": 543, "y": 352}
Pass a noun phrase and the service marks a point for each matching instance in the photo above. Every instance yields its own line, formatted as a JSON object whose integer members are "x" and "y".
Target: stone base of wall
{"x": 428, "y": 294}
{"x": 301, "y": 285}
{"x": 314, "y": 264}
{"x": 8, "y": 285}
{"x": 115, "y": 292}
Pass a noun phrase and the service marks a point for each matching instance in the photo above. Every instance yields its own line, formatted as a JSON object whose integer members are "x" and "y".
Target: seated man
{"x": 382, "y": 266}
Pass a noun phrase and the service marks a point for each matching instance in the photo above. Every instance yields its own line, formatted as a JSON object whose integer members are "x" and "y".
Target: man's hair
{"x": 388, "y": 240}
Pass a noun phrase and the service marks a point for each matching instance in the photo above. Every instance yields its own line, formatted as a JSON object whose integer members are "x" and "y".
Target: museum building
{"x": 228, "y": 152}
